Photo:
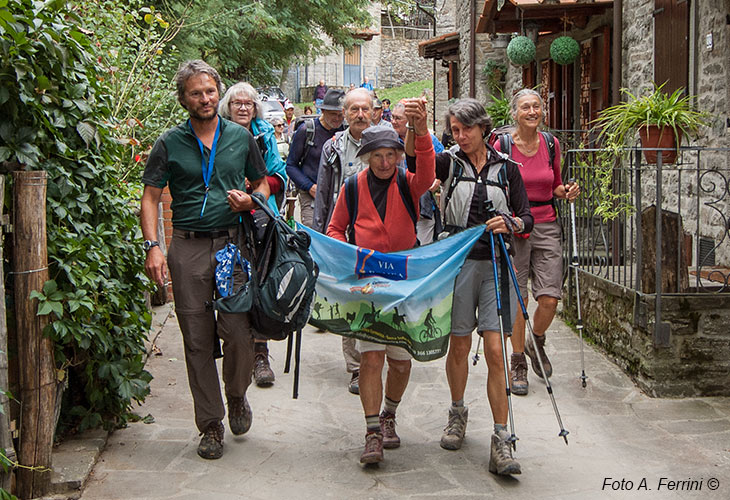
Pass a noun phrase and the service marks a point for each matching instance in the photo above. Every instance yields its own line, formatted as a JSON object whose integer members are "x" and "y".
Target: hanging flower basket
{"x": 521, "y": 50}
{"x": 564, "y": 50}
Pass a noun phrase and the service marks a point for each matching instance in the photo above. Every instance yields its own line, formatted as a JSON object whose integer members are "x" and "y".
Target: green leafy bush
{"x": 57, "y": 117}
{"x": 136, "y": 63}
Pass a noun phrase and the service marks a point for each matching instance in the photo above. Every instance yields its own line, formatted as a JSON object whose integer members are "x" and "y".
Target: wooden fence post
{"x": 6, "y": 441}
{"x": 35, "y": 352}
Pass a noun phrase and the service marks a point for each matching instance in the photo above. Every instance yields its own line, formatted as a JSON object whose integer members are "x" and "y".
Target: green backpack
{"x": 280, "y": 291}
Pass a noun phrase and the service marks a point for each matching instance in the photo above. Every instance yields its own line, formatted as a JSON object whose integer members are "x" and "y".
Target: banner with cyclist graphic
{"x": 401, "y": 298}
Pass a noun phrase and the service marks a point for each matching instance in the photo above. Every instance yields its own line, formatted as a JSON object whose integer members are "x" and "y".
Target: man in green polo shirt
{"x": 205, "y": 162}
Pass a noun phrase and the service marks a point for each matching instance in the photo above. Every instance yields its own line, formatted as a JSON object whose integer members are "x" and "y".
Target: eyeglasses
{"x": 242, "y": 104}
{"x": 279, "y": 125}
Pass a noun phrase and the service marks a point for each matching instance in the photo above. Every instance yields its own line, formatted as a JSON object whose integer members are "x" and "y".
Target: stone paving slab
{"x": 310, "y": 447}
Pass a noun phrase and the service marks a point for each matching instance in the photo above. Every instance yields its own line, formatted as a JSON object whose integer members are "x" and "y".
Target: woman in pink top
{"x": 538, "y": 256}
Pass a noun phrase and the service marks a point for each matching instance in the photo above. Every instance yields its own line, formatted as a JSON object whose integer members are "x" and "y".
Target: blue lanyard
{"x": 207, "y": 169}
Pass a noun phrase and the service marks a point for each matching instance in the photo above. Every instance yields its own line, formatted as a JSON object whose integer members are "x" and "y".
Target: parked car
{"x": 273, "y": 109}
{"x": 272, "y": 94}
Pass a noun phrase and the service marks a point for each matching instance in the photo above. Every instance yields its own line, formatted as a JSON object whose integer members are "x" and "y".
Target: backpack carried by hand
{"x": 280, "y": 290}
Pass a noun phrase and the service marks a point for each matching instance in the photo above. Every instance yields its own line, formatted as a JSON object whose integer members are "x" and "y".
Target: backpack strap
{"x": 457, "y": 170}
{"x": 550, "y": 141}
{"x": 351, "y": 196}
{"x": 405, "y": 194}
{"x": 505, "y": 144}
{"x": 309, "y": 140}
{"x": 261, "y": 143}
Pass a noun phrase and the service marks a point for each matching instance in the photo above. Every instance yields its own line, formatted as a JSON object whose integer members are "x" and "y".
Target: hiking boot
{"x": 454, "y": 431}
{"x": 500, "y": 458}
{"x": 239, "y": 415}
{"x": 518, "y": 374}
{"x": 262, "y": 372}
{"x": 540, "y": 342}
{"x": 387, "y": 427}
{"x": 373, "y": 452}
{"x": 211, "y": 446}
{"x": 354, "y": 386}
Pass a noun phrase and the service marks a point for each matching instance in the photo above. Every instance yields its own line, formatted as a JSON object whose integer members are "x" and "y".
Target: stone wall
{"x": 400, "y": 62}
{"x": 697, "y": 362}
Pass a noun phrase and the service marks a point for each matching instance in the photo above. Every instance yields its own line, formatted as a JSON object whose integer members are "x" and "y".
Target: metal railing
{"x": 691, "y": 232}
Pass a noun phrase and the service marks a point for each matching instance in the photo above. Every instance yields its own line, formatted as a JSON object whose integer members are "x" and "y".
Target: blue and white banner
{"x": 400, "y": 298}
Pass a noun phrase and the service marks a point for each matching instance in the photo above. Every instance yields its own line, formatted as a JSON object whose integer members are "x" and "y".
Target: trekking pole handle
{"x": 570, "y": 181}
{"x": 572, "y": 228}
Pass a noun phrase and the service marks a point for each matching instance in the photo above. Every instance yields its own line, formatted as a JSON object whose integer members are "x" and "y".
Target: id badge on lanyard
{"x": 207, "y": 169}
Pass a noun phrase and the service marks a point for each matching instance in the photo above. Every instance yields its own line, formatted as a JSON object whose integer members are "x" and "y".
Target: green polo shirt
{"x": 175, "y": 160}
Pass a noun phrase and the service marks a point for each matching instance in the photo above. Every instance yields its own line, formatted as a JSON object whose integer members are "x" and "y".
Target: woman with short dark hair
{"x": 476, "y": 181}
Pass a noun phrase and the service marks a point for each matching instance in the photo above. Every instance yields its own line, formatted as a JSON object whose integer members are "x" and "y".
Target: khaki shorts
{"x": 391, "y": 351}
{"x": 475, "y": 301}
{"x": 540, "y": 259}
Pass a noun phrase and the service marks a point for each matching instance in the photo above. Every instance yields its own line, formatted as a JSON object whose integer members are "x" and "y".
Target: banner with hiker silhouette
{"x": 401, "y": 298}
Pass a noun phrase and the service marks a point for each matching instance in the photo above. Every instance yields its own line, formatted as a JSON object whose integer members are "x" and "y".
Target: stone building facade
{"x": 708, "y": 74}
{"x": 389, "y": 58}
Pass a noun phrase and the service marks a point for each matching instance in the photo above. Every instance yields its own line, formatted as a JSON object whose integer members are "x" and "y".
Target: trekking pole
{"x": 289, "y": 346}
{"x": 513, "y": 437}
{"x": 475, "y": 358}
{"x": 563, "y": 432}
{"x": 576, "y": 266}
{"x": 297, "y": 356}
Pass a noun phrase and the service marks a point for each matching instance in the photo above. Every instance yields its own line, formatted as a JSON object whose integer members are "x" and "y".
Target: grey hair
{"x": 237, "y": 90}
{"x": 469, "y": 112}
{"x": 191, "y": 68}
{"x": 351, "y": 95}
{"x": 277, "y": 120}
{"x": 398, "y": 105}
{"x": 519, "y": 95}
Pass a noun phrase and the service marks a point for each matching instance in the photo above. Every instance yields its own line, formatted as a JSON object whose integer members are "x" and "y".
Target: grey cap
{"x": 333, "y": 100}
{"x": 377, "y": 104}
{"x": 379, "y": 136}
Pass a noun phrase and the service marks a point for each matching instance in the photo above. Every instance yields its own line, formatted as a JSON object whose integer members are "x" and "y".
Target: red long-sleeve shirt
{"x": 397, "y": 231}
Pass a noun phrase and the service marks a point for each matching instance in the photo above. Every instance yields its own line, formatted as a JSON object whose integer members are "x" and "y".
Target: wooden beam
{"x": 6, "y": 441}
{"x": 35, "y": 351}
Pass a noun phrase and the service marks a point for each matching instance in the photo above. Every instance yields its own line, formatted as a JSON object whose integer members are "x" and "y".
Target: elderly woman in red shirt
{"x": 383, "y": 224}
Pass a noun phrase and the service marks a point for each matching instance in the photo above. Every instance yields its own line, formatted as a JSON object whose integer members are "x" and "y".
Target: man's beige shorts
{"x": 391, "y": 351}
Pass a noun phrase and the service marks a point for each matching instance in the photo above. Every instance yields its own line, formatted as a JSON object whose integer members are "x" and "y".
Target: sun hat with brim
{"x": 379, "y": 137}
{"x": 333, "y": 100}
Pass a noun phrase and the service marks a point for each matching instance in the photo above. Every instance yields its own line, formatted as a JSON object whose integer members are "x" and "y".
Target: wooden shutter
{"x": 671, "y": 43}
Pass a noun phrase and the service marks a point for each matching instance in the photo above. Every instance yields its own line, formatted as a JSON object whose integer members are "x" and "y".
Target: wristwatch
{"x": 148, "y": 244}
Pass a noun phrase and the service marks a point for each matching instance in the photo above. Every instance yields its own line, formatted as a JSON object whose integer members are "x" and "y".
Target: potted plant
{"x": 494, "y": 70}
{"x": 661, "y": 119}
{"x": 499, "y": 110}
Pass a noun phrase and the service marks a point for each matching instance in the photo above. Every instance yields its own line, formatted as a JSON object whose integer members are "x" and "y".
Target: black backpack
{"x": 351, "y": 198}
{"x": 280, "y": 292}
